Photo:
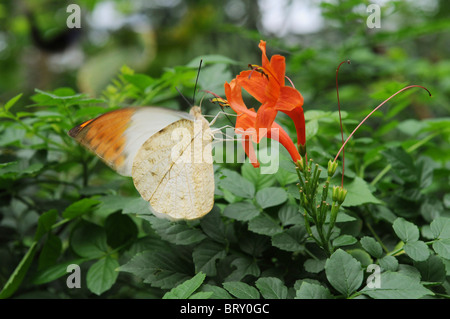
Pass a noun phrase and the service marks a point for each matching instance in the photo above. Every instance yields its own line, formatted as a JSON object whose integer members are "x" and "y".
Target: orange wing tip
{"x": 76, "y": 130}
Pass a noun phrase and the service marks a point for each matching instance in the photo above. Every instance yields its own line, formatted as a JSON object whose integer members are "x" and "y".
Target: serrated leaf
{"x": 291, "y": 239}
{"x": 402, "y": 163}
{"x": 358, "y": 193}
{"x": 397, "y": 286}
{"x": 432, "y": 269}
{"x": 242, "y": 211}
{"x": 372, "y": 246}
{"x": 289, "y": 215}
{"x": 178, "y": 233}
{"x": 264, "y": 225}
{"x": 187, "y": 288}
{"x": 271, "y": 288}
{"x": 417, "y": 250}
{"x": 405, "y": 230}
{"x": 244, "y": 266}
{"x": 102, "y": 275}
{"x": 205, "y": 256}
{"x": 162, "y": 269}
{"x": 241, "y": 290}
{"x": 120, "y": 229}
{"x": 236, "y": 184}
{"x": 312, "y": 291}
{"x": 254, "y": 175}
{"x": 344, "y": 272}
{"x": 89, "y": 240}
{"x": 217, "y": 292}
{"x": 213, "y": 226}
{"x": 271, "y": 196}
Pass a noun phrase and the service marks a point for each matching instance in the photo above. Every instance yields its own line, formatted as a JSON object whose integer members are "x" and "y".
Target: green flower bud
{"x": 332, "y": 166}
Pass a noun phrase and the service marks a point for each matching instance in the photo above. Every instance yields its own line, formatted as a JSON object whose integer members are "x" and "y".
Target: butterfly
{"x": 168, "y": 154}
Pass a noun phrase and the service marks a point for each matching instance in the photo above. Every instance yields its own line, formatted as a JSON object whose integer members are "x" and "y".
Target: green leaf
{"x": 442, "y": 247}
{"x": 254, "y": 175}
{"x": 19, "y": 273}
{"x": 344, "y": 240}
{"x": 163, "y": 269}
{"x": 405, "y": 230}
{"x": 264, "y": 225}
{"x": 50, "y": 251}
{"x": 244, "y": 266}
{"x": 312, "y": 291}
{"x": 271, "y": 196}
{"x": 241, "y": 290}
{"x": 291, "y": 239}
{"x": 271, "y": 288}
{"x": 79, "y": 208}
{"x": 361, "y": 255}
{"x": 12, "y": 101}
{"x": 89, "y": 240}
{"x": 402, "y": 163}
{"x": 202, "y": 295}
{"x": 187, "y": 288}
{"x": 372, "y": 246}
{"x": 218, "y": 292}
{"x": 389, "y": 263}
{"x": 289, "y": 215}
{"x": 358, "y": 193}
{"x": 120, "y": 229}
{"x": 54, "y": 272}
{"x": 397, "y": 286}
{"x": 178, "y": 233}
{"x": 311, "y": 129}
{"x": 417, "y": 250}
{"x": 213, "y": 226}
{"x": 205, "y": 256}
{"x": 102, "y": 275}
{"x": 344, "y": 272}
{"x": 242, "y": 211}
{"x": 45, "y": 222}
{"x": 432, "y": 269}
{"x": 236, "y": 184}
{"x": 440, "y": 227}
{"x": 314, "y": 266}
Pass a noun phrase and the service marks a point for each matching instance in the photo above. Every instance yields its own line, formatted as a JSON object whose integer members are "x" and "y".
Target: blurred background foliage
{"x": 37, "y": 50}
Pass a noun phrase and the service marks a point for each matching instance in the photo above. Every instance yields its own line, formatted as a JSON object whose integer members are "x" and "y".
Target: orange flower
{"x": 274, "y": 96}
{"x": 246, "y": 125}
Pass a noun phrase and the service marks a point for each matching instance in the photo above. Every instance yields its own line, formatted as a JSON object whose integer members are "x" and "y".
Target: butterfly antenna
{"x": 184, "y": 98}
{"x": 196, "y": 80}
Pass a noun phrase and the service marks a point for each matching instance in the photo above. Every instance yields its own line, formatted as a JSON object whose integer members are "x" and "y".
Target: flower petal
{"x": 254, "y": 83}
{"x": 278, "y": 65}
{"x": 289, "y": 99}
{"x": 298, "y": 118}
{"x": 280, "y": 135}
{"x": 264, "y": 119}
{"x": 249, "y": 150}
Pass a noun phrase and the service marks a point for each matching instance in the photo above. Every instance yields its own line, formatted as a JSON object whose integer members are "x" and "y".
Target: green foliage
{"x": 61, "y": 206}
